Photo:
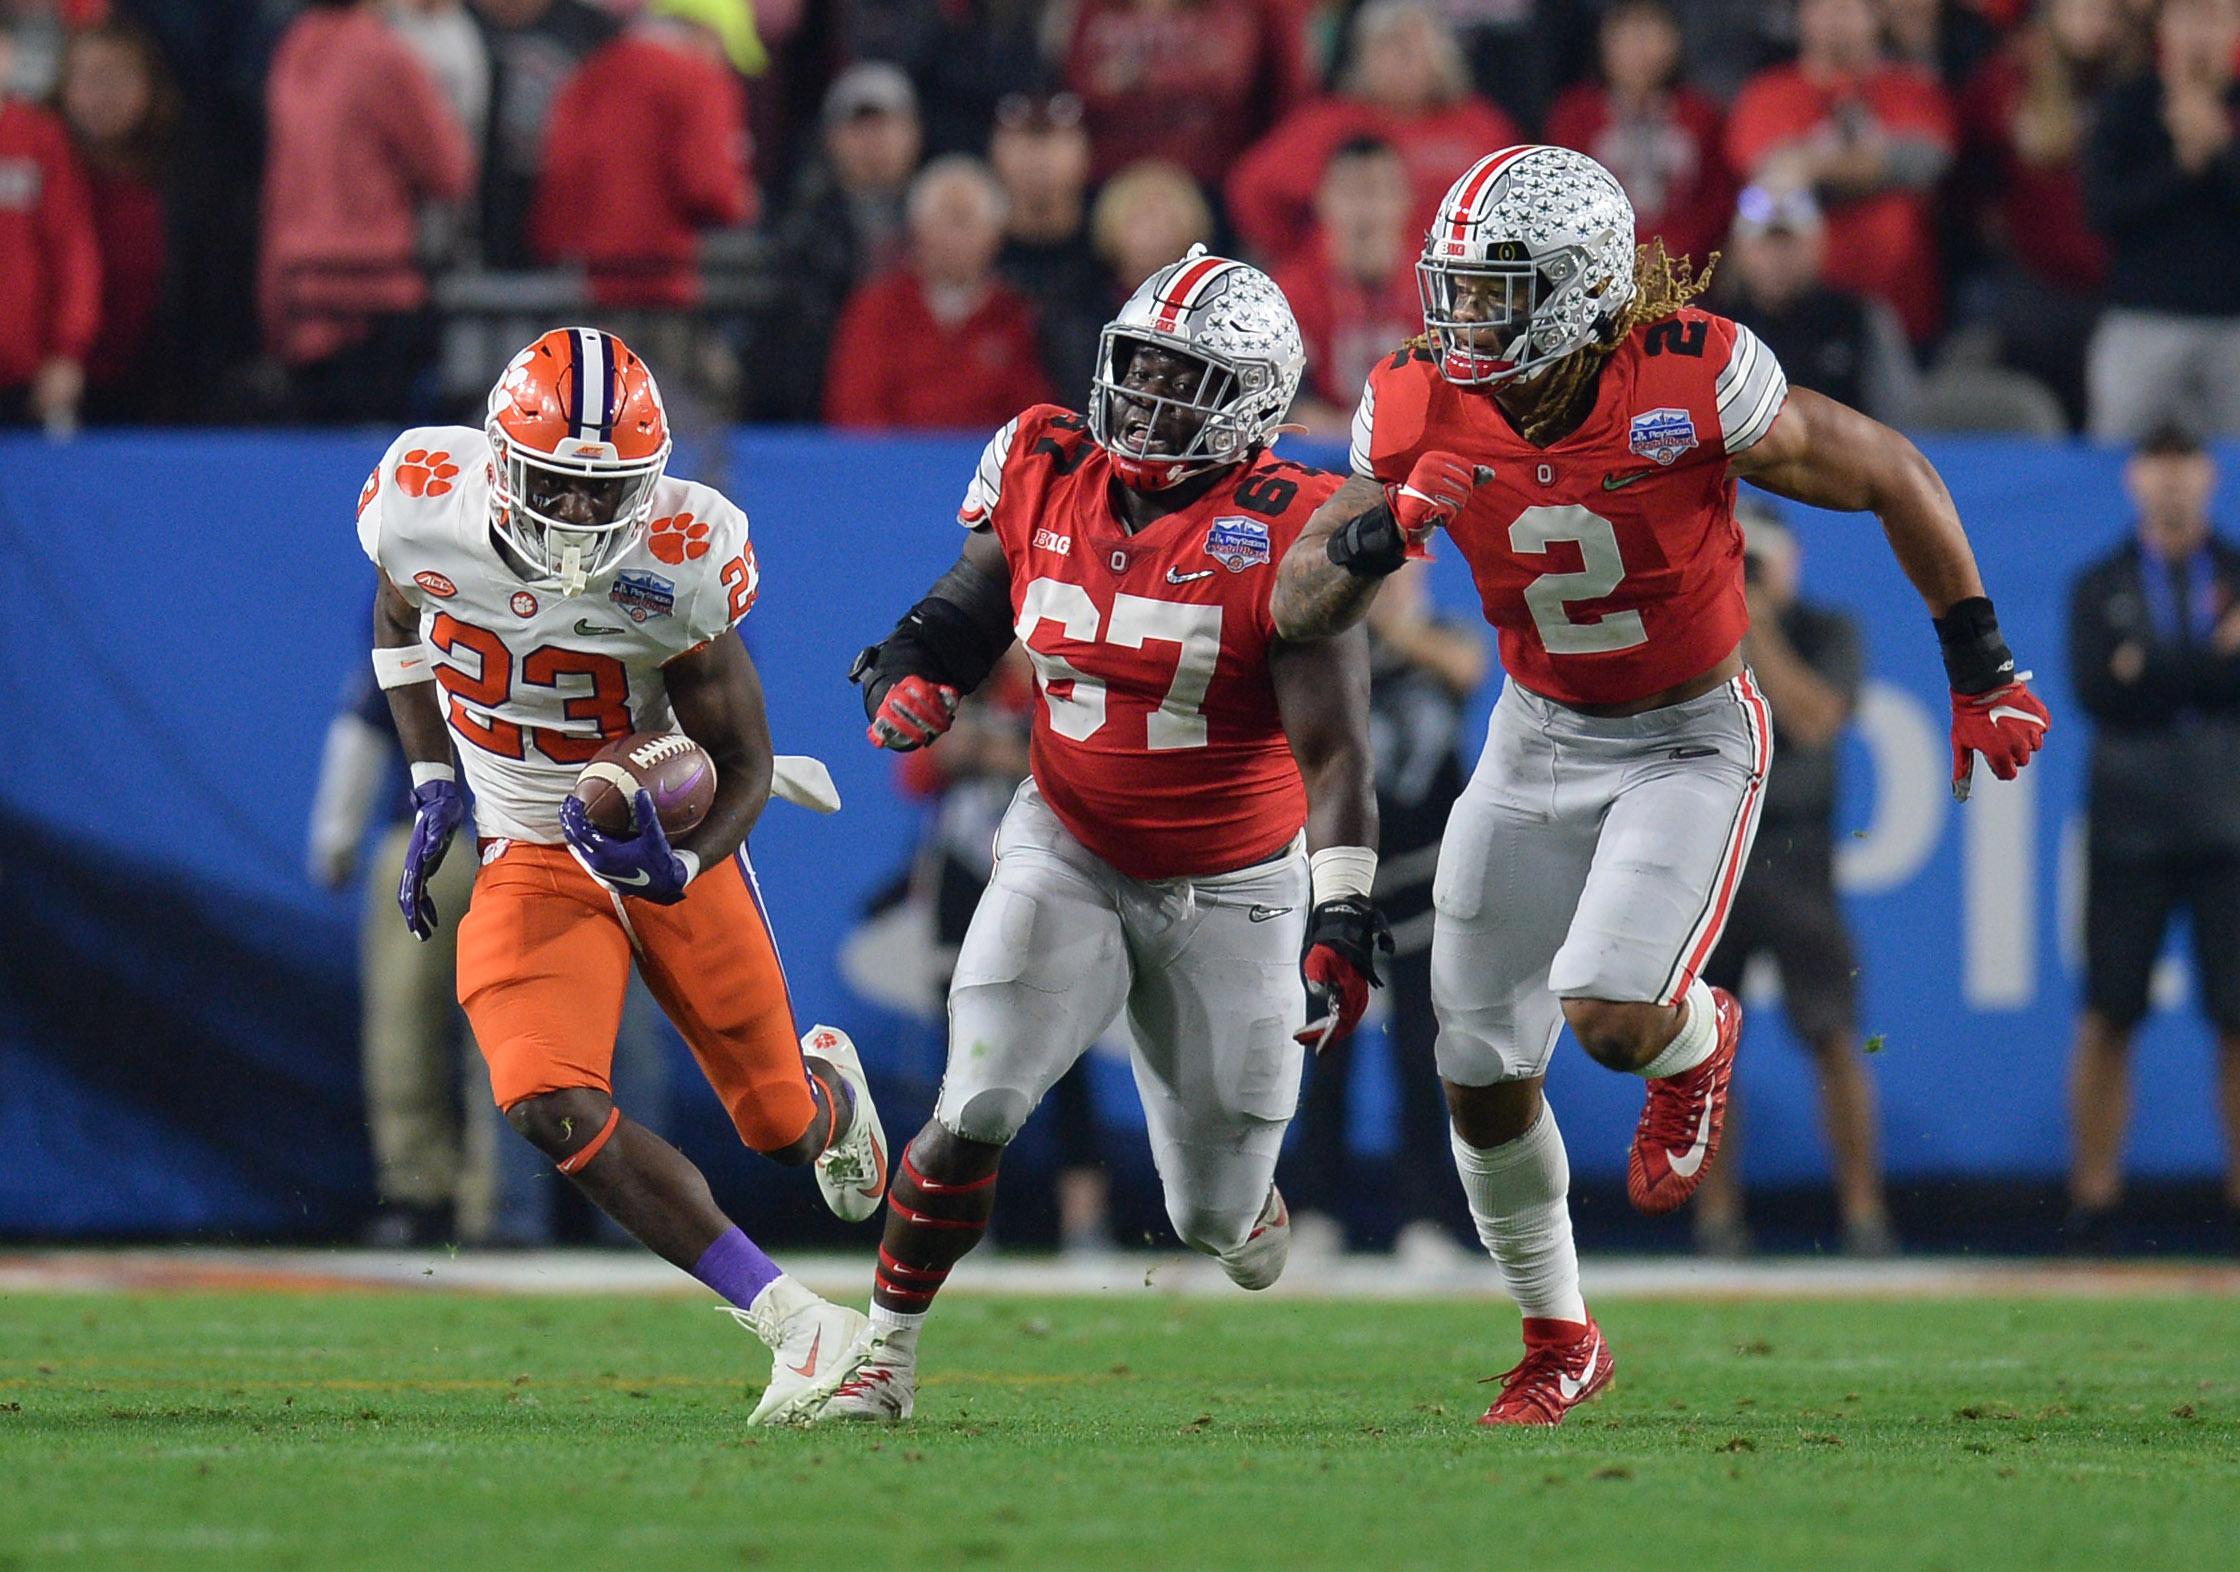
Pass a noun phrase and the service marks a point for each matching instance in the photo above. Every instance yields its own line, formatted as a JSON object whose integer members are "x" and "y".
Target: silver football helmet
{"x": 1232, "y": 320}
{"x": 1529, "y": 260}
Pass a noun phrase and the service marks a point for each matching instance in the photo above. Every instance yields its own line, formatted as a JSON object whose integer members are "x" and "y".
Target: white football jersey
{"x": 532, "y": 682}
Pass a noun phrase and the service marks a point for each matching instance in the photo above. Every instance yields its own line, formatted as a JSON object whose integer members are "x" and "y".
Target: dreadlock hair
{"x": 1662, "y": 285}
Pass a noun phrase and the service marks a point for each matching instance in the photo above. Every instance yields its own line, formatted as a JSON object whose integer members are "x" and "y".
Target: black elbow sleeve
{"x": 954, "y": 636}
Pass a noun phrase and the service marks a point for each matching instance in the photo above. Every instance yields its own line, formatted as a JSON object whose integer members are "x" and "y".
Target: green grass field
{"x": 451, "y": 1430}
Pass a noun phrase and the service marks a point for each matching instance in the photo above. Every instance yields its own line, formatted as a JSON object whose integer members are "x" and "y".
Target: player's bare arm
{"x": 1828, "y": 455}
{"x": 1315, "y": 598}
{"x": 1386, "y": 528}
{"x": 1322, "y": 696}
{"x": 942, "y": 649}
{"x": 717, "y": 695}
{"x": 413, "y": 703}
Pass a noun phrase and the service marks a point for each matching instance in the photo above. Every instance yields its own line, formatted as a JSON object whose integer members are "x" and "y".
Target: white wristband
{"x": 400, "y": 666}
{"x": 424, "y": 773}
{"x": 1336, "y": 872}
{"x": 691, "y": 861}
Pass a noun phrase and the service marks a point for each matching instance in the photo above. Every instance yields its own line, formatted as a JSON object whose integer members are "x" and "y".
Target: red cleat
{"x": 1565, "y": 1364}
{"x": 1682, "y": 1121}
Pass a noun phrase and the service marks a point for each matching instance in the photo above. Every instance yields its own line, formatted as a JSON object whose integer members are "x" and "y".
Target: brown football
{"x": 670, "y": 765}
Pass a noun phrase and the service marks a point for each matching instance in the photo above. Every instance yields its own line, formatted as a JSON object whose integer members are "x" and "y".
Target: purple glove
{"x": 438, "y": 809}
{"x": 639, "y": 864}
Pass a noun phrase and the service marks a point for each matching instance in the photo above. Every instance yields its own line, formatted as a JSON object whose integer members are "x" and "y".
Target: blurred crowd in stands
{"x": 2021, "y": 214}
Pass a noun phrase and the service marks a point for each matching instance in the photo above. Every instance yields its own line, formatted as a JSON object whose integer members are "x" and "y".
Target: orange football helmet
{"x": 578, "y": 440}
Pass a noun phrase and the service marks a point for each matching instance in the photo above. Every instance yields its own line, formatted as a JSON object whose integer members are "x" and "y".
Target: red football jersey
{"x": 1609, "y": 561}
{"x": 1157, "y": 741}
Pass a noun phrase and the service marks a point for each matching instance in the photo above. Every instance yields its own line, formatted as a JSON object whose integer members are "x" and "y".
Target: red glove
{"x": 2005, "y": 725}
{"x": 1340, "y": 967}
{"x": 1436, "y": 489}
{"x": 912, "y": 713}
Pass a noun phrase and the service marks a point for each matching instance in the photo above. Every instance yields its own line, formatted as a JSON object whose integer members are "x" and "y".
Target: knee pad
{"x": 1208, "y": 1229}
{"x": 991, "y": 1117}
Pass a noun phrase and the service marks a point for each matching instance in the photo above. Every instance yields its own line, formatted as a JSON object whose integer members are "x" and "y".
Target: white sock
{"x": 1692, "y": 1044}
{"x": 1519, "y": 1196}
{"x": 901, "y": 1329}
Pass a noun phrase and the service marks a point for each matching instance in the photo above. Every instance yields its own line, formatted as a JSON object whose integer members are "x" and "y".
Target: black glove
{"x": 1340, "y": 967}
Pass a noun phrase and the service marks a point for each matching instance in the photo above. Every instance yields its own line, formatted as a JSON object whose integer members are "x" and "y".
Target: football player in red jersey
{"x": 1577, "y": 428}
{"x": 1186, "y": 763}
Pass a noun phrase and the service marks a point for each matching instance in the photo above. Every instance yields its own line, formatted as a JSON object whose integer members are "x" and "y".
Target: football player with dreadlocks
{"x": 1201, "y": 809}
{"x": 1577, "y": 427}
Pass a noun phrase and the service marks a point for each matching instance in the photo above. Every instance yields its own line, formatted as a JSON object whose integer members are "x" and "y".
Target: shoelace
{"x": 1674, "y": 1115}
{"x": 860, "y": 1384}
{"x": 1531, "y": 1378}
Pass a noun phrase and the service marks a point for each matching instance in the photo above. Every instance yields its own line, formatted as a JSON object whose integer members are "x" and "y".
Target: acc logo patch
{"x": 1662, "y": 434}
{"x": 524, "y": 604}
{"x": 1237, "y": 543}
{"x": 436, "y": 584}
{"x": 643, "y": 595}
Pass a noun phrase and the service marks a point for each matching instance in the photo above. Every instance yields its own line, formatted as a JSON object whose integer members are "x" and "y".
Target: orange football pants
{"x": 544, "y": 956}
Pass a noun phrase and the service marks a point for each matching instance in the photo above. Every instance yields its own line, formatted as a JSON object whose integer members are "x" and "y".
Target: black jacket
{"x": 2171, "y": 235}
{"x": 2166, "y": 746}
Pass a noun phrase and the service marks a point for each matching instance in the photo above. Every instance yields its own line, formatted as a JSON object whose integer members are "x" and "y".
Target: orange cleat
{"x": 1565, "y": 1363}
{"x": 1682, "y": 1121}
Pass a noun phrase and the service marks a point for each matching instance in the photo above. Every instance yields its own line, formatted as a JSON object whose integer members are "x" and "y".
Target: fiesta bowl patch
{"x": 1662, "y": 434}
{"x": 643, "y": 595}
{"x": 1237, "y": 543}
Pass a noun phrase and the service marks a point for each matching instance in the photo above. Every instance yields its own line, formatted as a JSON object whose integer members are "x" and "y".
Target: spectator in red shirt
{"x": 646, "y": 149}
{"x": 50, "y": 307}
{"x": 2027, "y": 118}
{"x": 359, "y": 136}
{"x": 1192, "y": 81}
{"x": 1353, "y": 288}
{"x": 1408, "y": 89}
{"x": 1660, "y": 137}
{"x": 1869, "y": 138}
{"x": 941, "y": 342}
{"x": 1146, "y": 216}
{"x": 118, "y": 98}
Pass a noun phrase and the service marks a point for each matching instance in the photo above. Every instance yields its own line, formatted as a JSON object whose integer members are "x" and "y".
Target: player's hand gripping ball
{"x": 667, "y": 765}
{"x": 662, "y": 784}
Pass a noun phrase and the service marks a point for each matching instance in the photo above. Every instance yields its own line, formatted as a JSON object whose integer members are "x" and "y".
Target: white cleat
{"x": 882, "y": 1389}
{"x": 814, "y": 1345}
{"x": 1258, "y": 1262}
{"x": 853, "y": 1171}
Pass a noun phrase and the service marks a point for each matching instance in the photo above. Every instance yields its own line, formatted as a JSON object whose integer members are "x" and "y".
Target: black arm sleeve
{"x": 954, "y": 636}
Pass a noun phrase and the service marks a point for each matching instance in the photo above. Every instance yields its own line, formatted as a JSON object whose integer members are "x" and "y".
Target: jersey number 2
{"x": 1077, "y": 700}
{"x": 1601, "y": 571}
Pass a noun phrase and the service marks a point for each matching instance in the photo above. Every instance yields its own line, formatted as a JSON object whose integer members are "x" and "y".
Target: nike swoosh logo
{"x": 1177, "y": 576}
{"x": 808, "y": 1367}
{"x": 1265, "y": 913}
{"x": 878, "y": 1185}
{"x": 1620, "y": 482}
{"x": 1572, "y": 1386}
{"x": 2009, "y": 712}
{"x": 631, "y": 879}
{"x": 1686, "y": 1163}
{"x": 592, "y": 630}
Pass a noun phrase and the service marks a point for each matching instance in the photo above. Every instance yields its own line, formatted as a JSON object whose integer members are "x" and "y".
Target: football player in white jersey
{"x": 546, "y": 589}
